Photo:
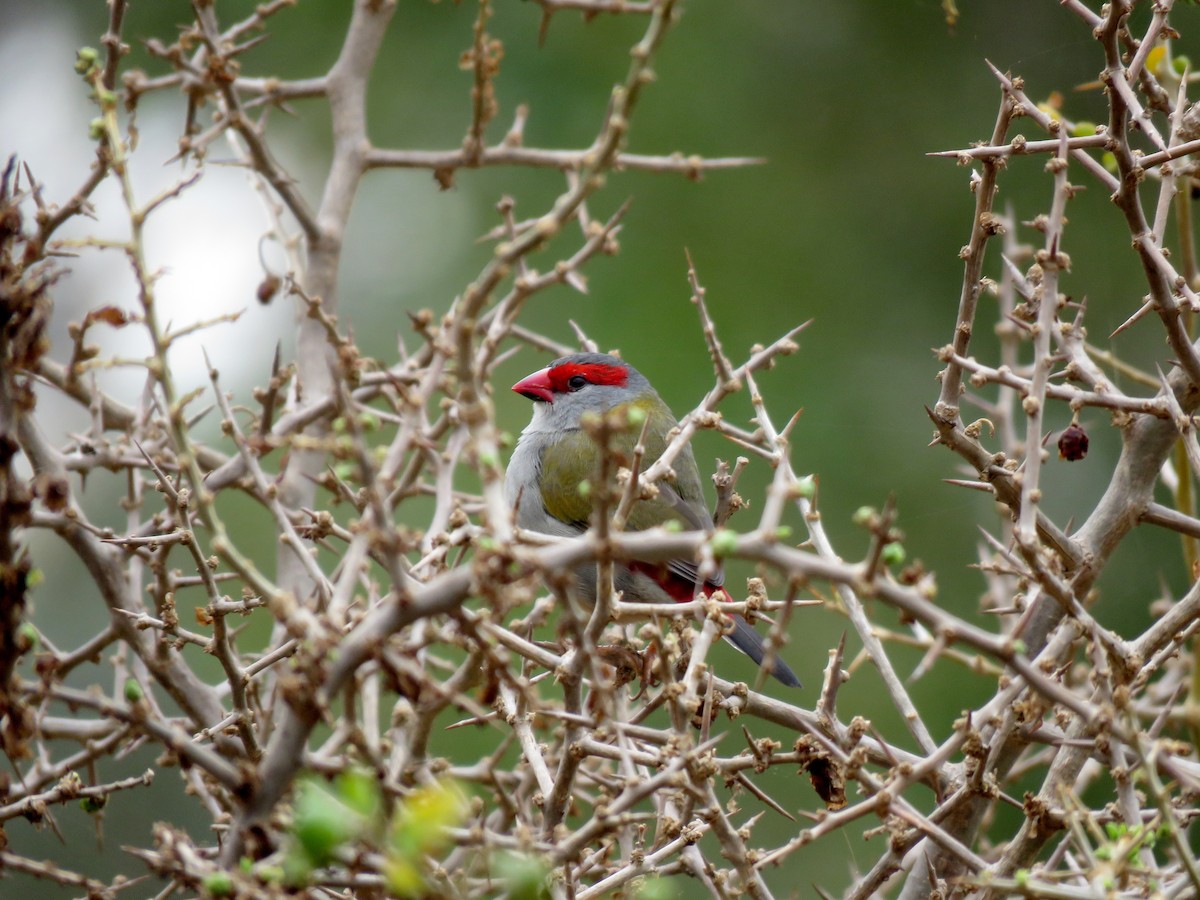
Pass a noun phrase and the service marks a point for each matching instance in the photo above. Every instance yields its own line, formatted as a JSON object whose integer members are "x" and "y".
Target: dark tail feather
{"x": 752, "y": 644}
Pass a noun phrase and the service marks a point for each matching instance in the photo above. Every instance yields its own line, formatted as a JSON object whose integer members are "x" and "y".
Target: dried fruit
{"x": 1073, "y": 443}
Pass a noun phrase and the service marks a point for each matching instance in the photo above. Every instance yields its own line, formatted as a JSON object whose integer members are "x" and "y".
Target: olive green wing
{"x": 680, "y": 500}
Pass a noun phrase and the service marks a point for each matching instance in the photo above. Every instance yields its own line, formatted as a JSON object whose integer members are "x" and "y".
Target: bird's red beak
{"x": 536, "y": 386}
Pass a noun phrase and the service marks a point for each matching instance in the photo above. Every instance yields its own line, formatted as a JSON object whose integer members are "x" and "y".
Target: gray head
{"x": 579, "y": 383}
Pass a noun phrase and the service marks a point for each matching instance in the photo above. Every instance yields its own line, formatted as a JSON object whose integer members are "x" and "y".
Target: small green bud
{"x": 489, "y": 459}
{"x": 92, "y": 805}
{"x": 863, "y": 515}
{"x": 783, "y": 532}
{"x": 1021, "y": 877}
{"x": 1083, "y": 128}
{"x": 27, "y": 638}
{"x": 806, "y": 487}
{"x": 1181, "y": 64}
{"x": 893, "y": 554}
{"x": 218, "y": 884}
{"x": 505, "y": 439}
{"x": 674, "y": 526}
{"x": 33, "y": 578}
{"x": 96, "y": 129}
{"x": 339, "y": 425}
{"x": 133, "y": 691}
{"x": 585, "y": 488}
{"x": 1109, "y": 160}
{"x": 85, "y": 58}
{"x": 369, "y": 421}
{"x": 724, "y": 542}
{"x": 1019, "y": 647}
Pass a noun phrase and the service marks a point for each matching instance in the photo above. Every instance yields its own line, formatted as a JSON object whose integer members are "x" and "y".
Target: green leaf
{"x": 524, "y": 877}
{"x": 359, "y": 790}
{"x": 418, "y": 830}
{"x": 322, "y": 823}
{"x": 658, "y": 889}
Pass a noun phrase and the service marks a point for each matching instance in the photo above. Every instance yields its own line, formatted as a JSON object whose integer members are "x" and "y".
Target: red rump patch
{"x": 678, "y": 589}
{"x": 596, "y": 373}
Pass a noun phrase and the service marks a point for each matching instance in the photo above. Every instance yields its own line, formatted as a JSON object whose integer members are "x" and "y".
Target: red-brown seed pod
{"x": 268, "y": 288}
{"x": 1073, "y": 443}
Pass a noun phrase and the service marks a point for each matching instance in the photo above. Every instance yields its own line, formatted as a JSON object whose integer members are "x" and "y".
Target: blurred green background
{"x": 848, "y": 223}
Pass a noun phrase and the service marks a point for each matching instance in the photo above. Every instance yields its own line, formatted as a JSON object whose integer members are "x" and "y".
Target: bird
{"x": 554, "y": 455}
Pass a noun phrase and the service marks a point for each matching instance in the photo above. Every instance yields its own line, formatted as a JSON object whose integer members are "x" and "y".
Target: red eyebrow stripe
{"x": 596, "y": 373}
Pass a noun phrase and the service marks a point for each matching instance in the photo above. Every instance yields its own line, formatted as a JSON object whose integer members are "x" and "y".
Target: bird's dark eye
{"x": 576, "y": 382}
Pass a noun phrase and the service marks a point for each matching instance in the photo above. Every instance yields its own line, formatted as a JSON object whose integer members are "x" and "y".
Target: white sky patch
{"x": 204, "y": 243}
